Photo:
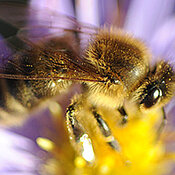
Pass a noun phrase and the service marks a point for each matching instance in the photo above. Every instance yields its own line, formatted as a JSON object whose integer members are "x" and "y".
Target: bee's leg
{"x": 162, "y": 125}
{"x": 106, "y": 131}
{"x": 124, "y": 115}
{"x": 80, "y": 139}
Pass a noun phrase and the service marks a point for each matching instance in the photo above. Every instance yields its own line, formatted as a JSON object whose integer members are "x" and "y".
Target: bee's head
{"x": 157, "y": 88}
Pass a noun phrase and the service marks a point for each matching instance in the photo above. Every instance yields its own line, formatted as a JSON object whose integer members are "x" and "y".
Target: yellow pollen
{"x": 79, "y": 162}
{"x": 55, "y": 109}
{"x": 45, "y": 144}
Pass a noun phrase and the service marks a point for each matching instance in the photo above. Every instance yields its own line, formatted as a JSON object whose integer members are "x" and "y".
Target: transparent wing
{"x": 36, "y": 24}
{"x": 44, "y": 49}
{"x": 49, "y": 59}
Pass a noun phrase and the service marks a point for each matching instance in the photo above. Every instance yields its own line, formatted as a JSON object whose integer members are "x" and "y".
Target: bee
{"x": 111, "y": 68}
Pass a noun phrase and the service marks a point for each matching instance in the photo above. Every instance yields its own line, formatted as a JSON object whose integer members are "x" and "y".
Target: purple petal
{"x": 87, "y": 11}
{"x": 16, "y": 153}
{"x": 108, "y": 11}
{"x": 36, "y": 126}
{"x": 144, "y": 17}
{"x": 163, "y": 41}
{"x": 60, "y": 6}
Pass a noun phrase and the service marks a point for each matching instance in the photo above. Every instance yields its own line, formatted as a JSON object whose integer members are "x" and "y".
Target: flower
{"x": 140, "y": 152}
{"x": 17, "y": 154}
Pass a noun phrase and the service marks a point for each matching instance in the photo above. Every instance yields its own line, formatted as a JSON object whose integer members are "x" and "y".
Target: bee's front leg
{"x": 77, "y": 129}
{"x": 79, "y": 137}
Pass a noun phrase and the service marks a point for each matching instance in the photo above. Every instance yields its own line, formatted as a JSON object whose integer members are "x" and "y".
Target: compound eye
{"x": 152, "y": 97}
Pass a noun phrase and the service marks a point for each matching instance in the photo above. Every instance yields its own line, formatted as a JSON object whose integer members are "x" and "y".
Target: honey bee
{"x": 113, "y": 67}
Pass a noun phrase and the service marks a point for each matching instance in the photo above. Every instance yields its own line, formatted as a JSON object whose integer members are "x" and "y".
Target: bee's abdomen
{"x": 15, "y": 96}
{"x": 18, "y": 96}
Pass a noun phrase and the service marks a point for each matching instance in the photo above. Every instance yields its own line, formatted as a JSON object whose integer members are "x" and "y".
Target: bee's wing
{"x": 35, "y": 24}
{"x": 31, "y": 29}
{"x": 51, "y": 60}
{"x": 21, "y": 15}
